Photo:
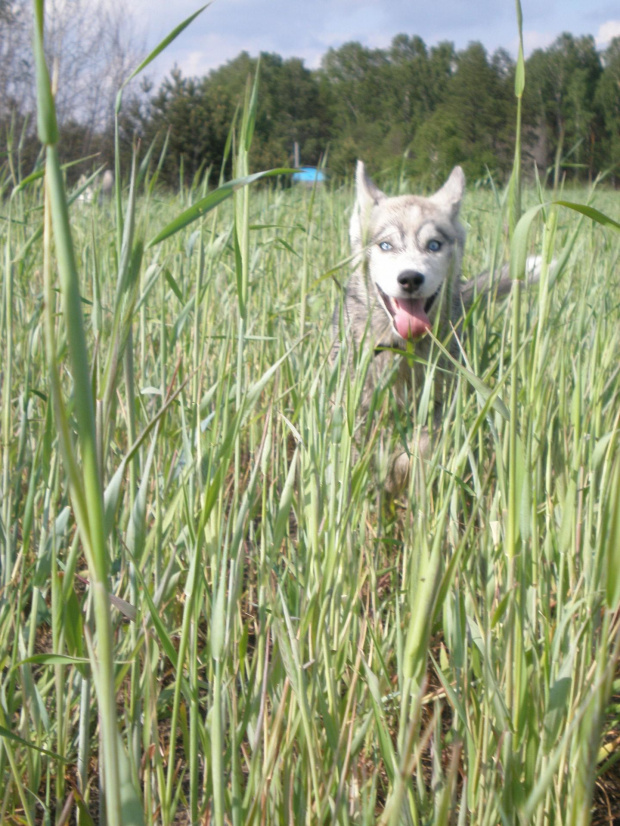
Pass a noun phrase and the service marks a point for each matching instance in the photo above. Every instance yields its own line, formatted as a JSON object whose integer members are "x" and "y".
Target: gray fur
{"x": 394, "y": 238}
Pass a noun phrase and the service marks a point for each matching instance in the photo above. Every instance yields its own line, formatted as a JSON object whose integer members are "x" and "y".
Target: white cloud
{"x": 198, "y": 63}
{"x": 533, "y": 40}
{"x": 606, "y": 32}
{"x": 307, "y": 29}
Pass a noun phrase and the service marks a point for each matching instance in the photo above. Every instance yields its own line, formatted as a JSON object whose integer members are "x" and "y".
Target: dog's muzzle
{"x": 409, "y": 316}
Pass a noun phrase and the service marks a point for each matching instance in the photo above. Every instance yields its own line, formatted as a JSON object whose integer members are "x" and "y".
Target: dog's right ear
{"x": 367, "y": 195}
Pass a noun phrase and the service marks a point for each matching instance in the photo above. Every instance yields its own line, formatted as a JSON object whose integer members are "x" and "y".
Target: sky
{"x": 308, "y": 28}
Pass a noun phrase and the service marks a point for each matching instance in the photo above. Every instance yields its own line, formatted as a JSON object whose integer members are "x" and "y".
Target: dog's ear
{"x": 366, "y": 196}
{"x": 451, "y": 193}
{"x": 367, "y": 193}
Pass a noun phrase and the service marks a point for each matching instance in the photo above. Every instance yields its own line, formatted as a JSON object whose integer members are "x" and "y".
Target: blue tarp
{"x": 308, "y": 175}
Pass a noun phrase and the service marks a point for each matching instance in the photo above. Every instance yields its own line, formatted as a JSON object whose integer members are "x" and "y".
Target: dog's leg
{"x": 402, "y": 462}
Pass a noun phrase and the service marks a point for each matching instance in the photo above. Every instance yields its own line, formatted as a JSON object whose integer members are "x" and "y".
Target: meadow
{"x": 210, "y": 611}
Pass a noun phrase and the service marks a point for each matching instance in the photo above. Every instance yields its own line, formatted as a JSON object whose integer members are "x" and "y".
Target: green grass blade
{"x": 592, "y": 213}
{"x": 209, "y": 202}
{"x": 159, "y": 49}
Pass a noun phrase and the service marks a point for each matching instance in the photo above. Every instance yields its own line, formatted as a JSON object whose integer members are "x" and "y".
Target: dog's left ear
{"x": 451, "y": 193}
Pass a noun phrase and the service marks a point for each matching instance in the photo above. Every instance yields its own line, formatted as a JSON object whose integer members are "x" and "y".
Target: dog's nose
{"x": 410, "y": 280}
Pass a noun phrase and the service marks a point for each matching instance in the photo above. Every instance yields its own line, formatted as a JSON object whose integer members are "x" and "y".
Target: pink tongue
{"x": 410, "y": 319}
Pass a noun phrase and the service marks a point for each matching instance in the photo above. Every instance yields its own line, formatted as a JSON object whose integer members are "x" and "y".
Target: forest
{"x": 412, "y": 108}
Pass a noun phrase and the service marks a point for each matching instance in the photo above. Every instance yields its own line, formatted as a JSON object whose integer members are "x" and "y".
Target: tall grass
{"x": 284, "y": 643}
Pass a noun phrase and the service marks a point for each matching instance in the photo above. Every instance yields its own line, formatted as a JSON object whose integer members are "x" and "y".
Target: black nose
{"x": 410, "y": 280}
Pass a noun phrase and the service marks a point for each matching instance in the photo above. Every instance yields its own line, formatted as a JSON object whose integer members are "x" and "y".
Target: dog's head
{"x": 412, "y": 246}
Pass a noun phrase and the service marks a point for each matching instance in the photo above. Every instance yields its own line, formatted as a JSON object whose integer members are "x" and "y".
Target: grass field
{"x": 320, "y": 653}
{"x": 210, "y": 612}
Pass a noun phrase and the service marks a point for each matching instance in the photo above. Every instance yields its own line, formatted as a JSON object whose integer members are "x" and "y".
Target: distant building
{"x": 309, "y": 175}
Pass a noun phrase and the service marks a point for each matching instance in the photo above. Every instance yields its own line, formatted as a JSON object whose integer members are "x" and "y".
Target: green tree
{"x": 608, "y": 105}
{"x": 357, "y": 77}
{"x": 354, "y": 86}
{"x": 410, "y": 81}
{"x": 416, "y": 85}
{"x": 290, "y": 108}
{"x": 438, "y": 147}
{"x": 407, "y": 106}
{"x": 197, "y": 113}
{"x": 473, "y": 125}
{"x": 290, "y": 111}
{"x": 195, "y": 121}
{"x": 560, "y": 92}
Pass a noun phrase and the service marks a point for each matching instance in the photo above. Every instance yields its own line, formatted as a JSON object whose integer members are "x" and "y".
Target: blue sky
{"x": 307, "y": 29}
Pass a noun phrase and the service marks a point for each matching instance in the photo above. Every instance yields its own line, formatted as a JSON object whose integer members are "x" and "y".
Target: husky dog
{"x": 406, "y": 279}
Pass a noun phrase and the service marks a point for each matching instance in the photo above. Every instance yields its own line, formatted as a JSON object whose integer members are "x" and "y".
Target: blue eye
{"x": 434, "y": 245}
{"x": 385, "y": 246}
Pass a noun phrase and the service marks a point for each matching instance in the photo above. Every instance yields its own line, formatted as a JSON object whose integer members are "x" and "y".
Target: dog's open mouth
{"x": 409, "y": 315}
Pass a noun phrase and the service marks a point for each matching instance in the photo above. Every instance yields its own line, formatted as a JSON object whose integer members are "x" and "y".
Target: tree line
{"x": 410, "y": 108}
{"x": 91, "y": 47}
{"x": 407, "y": 107}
